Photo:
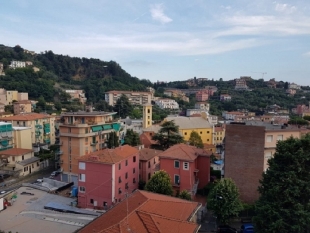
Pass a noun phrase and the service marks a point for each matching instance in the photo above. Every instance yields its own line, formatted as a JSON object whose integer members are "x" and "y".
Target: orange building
{"x": 82, "y": 133}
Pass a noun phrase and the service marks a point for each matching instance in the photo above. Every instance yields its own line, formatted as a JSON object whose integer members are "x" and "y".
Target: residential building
{"x": 23, "y": 106}
{"x": 10, "y": 96}
{"x": 7, "y": 97}
{"x": 240, "y": 84}
{"x": 202, "y": 96}
{"x": 248, "y": 146}
{"x": 2, "y": 107}
{"x": 202, "y": 105}
{"x": 302, "y": 110}
{"x": 77, "y": 94}
{"x": 219, "y": 135}
{"x": 167, "y": 104}
{"x": 177, "y": 94}
{"x": 22, "y": 96}
{"x": 198, "y": 124}
{"x": 290, "y": 92}
{"x": 132, "y": 124}
{"x": 134, "y": 97}
{"x": 1, "y": 69}
{"x": 6, "y": 136}
{"x": 293, "y": 86}
{"x": 148, "y": 163}
{"x": 194, "y": 112}
{"x": 81, "y": 133}
{"x": 144, "y": 212}
{"x": 232, "y": 115}
{"x": 272, "y": 83}
{"x": 106, "y": 176}
{"x": 17, "y": 64}
{"x": 187, "y": 166}
{"x": 225, "y": 97}
{"x": 42, "y": 127}
{"x": 22, "y": 137}
{"x": 19, "y": 161}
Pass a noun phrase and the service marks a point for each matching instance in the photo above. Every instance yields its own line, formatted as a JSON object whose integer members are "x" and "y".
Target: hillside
{"x": 93, "y": 75}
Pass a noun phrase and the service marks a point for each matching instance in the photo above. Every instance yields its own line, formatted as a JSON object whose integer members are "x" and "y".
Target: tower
{"x": 147, "y": 116}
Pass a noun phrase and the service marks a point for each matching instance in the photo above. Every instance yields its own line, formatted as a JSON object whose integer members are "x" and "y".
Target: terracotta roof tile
{"x": 184, "y": 152}
{"x": 147, "y": 154}
{"x": 110, "y": 155}
{"x": 147, "y": 213}
{"x": 26, "y": 117}
{"x": 15, "y": 152}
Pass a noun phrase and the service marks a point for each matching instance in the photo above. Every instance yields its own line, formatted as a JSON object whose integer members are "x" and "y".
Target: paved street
{"x": 14, "y": 183}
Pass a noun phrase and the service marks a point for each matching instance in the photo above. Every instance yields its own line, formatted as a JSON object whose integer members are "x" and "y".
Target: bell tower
{"x": 147, "y": 116}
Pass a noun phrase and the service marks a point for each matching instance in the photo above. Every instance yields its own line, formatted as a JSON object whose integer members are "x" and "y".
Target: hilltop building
{"x": 134, "y": 97}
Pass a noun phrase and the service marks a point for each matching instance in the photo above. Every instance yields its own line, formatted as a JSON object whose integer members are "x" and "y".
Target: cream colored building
{"x": 22, "y": 137}
{"x": 42, "y": 126}
{"x": 134, "y": 97}
{"x": 23, "y": 106}
{"x": 7, "y": 96}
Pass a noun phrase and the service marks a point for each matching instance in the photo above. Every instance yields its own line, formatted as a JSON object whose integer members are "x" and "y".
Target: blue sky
{"x": 170, "y": 40}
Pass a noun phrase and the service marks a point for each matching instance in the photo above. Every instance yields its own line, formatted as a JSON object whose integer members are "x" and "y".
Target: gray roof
{"x": 190, "y": 122}
{"x": 28, "y": 161}
{"x": 271, "y": 126}
{"x": 152, "y": 128}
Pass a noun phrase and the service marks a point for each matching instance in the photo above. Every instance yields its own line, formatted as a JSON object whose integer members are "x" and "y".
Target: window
{"x": 280, "y": 138}
{"x": 82, "y": 165}
{"x": 154, "y": 161}
{"x": 177, "y": 179}
{"x": 86, "y": 140}
{"x": 119, "y": 190}
{"x": 119, "y": 166}
{"x": 32, "y": 165}
{"x": 105, "y": 203}
{"x": 208, "y": 140}
{"x": 208, "y": 131}
{"x": 149, "y": 164}
{"x": 149, "y": 176}
{"x": 140, "y": 165}
{"x": 134, "y": 159}
{"x": 176, "y": 163}
{"x": 126, "y": 175}
{"x": 268, "y": 155}
{"x": 269, "y": 138}
{"x": 126, "y": 163}
{"x": 91, "y": 201}
{"x": 38, "y": 164}
{"x": 82, "y": 189}
{"x": 13, "y": 158}
{"x": 185, "y": 133}
{"x": 82, "y": 177}
{"x": 23, "y": 157}
{"x": 134, "y": 180}
{"x": 126, "y": 186}
{"x": 134, "y": 170}
{"x": 119, "y": 179}
{"x": 86, "y": 130}
{"x": 200, "y": 132}
{"x": 185, "y": 165}
{"x": 148, "y": 111}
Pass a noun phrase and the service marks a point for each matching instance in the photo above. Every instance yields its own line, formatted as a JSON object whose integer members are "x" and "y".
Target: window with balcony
{"x": 176, "y": 163}
{"x": 185, "y": 165}
{"x": 119, "y": 190}
{"x": 82, "y": 177}
{"x": 126, "y": 186}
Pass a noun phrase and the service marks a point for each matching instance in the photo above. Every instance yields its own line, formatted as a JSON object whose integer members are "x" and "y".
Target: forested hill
{"x": 58, "y": 72}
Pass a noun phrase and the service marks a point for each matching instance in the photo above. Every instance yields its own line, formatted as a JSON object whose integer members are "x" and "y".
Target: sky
{"x": 170, "y": 40}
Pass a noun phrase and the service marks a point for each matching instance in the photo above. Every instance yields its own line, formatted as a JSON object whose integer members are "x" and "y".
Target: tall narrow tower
{"x": 147, "y": 116}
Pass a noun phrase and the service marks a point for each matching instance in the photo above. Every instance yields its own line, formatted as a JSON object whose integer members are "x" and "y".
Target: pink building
{"x": 105, "y": 176}
{"x": 188, "y": 167}
{"x": 148, "y": 163}
{"x": 202, "y": 95}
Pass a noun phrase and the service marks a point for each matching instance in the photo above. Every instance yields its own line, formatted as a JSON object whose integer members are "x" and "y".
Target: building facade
{"x": 167, "y": 104}
{"x": 77, "y": 94}
{"x": 148, "y": 163}
{"x": 202, "y": 96}
{"x": 6, "y": 136}
{"x": 106, "y": 176}
{"x": 135, "y": 98}
{"x": 23, "y": 106}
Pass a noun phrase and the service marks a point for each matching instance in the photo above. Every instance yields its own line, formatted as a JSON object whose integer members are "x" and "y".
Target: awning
{"x": 116, "y": 126}
{"x": 47, "y": 130}
{"x": 96, "y": 128}
{"x": 106, "y": 127}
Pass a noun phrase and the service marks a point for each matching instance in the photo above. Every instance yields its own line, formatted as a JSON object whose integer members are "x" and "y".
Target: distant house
{"x": 144, "y": 212}
{"x": 290, "y": 92}
{"x": 167, "y": 104}
{"x": 202, "y": 95}
{"x": 106, "y": 176}
{"x": 148, "y": 163}
{"x": 188, "y": 167}
{"x": 240, "y": 84}
{"x": 293, "y": 86}
{"x": 23, "y": 106}
{"x": 225, "y": 97}
{"x": 232, "y": 115}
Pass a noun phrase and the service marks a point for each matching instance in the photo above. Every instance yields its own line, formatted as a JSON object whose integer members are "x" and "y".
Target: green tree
{"x": 224, "y": 200}
{"x": 168, "y": 135}
{"x": 9, "y": 108}
{"x": 123, "y": 107}
{"x": 160, "y": 183}
{"x": 184, "y": 194}
{"x": 132, "y": 138}
{"x": 284, "y": 203}
{"x": 195, "y": 140}
{"x": 113, "y": 140}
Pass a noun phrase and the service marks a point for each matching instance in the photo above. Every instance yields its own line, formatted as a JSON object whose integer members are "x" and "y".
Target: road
{"x": 17, "y": 182}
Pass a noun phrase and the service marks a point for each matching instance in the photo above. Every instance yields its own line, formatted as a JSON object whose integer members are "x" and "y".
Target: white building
{"x": 167, "y": 104}
{"x": 293, "y": 86}
{"x": 225, "y": 97}
{"x": 17, "y": 64}
{"x": 203, "y": 106}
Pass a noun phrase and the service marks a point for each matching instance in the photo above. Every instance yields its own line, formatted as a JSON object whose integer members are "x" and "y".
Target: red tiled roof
{"x": 147, "y": 154}
{"x": 147, "y": 212}
{"x": 15, "y": 152}
{"x": 218, "y": 129}
{"x": 26, "y": 117}
{"x": 110, "y": 155}
{"x": 23, "y": 102}
{"x": 184, "y": 152}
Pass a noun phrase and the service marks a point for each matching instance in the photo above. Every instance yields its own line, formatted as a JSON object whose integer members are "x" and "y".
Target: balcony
{"x": 94, "y": 143}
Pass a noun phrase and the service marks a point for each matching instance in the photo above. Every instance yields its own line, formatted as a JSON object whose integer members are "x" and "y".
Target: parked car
{"x": 247, "y": 228}
{"x": 226, "y": 229}
{"x": 54, "y": 173}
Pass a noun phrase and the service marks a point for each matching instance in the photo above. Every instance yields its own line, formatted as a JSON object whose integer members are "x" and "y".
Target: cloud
{"x": 158, "y": 14}
{"x": 285, "y": 8}
{"x": 307, "y": 54}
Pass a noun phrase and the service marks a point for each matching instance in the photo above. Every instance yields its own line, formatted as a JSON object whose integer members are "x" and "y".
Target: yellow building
{"x": 10, "y": 96}
{"x": 23, "y": 106}
{"x": 219, "y": 135}
{"x": 42, "y": 126}
{"x": 147, "y": 116}
{"x": 197, "y": 124}
{"x": 22, "y": 137}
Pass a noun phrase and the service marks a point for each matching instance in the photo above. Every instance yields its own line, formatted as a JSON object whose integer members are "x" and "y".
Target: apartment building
{"x": 22, "y": 137}
{"x": 219, "y": 135}
{"x": 81, "y": 133}
{"x": 7, "y": 96}
{"x": 248, "y": 146}
{"x": 202, "y": 105}
{"x": 225, "y": 97}
{"x": 23, "y": 106}
{"x": 77, "y": 94}
{"x": 187, "y": 166}
{"x": 240, "y": 84}
{"x": 106, "y": 176}
{"x": 294, "y": 86}
{"x": 1, "y": 69}
{"x": 17, "y": 64}
{"x": 202, "y": 96}
{"x": 42, "y": 127}
{"x": 167, "y": 104}
{"x": 134, "y": 97}
{"x": 6, "y": 136}
{"x": 148, "y": 163}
